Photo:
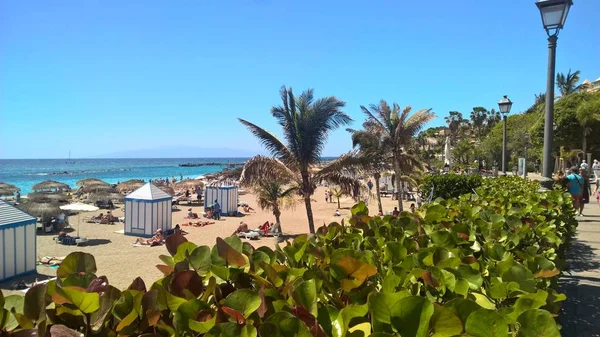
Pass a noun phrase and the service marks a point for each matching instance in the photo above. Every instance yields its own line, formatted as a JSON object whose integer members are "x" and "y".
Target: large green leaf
{"x": 537, "y": 323}
{"x": 77, "y": 263}
{"x": 200, "y": 259}
{"x": 305, "y": 294}
{"x": 486, "y": 323}
{"x": 183, "y": 251}
{"x": 411, "y": 315}
{"x": 244, "y": 301}
{"x": 84, "y": 301}
{"x": 35, "y": 303}
{"x": 107, "y": 300}
{"x": 231, "y": 256}
{"x": 462, "y": 308}
{"x": 381, "y": 304}
{"x": 444, "y": 322}
{"x": 284, "y": 324}
{"x": 443, "y": 239}
{"x": 520, "y": 275}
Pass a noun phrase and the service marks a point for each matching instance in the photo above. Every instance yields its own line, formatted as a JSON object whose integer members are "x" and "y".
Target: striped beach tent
{"x": 17, "y": 242}
{"x": 147, "y": 210}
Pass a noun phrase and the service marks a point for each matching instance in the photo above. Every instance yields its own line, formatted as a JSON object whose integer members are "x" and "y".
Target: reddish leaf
{"x": 166, "y": 270}
{"x": 173, "y": 241}
{"x": 150, "y": 307}
{"x": 315, "y": 328}
{"x": 138, "y": 284}
{"x": 98, "y": 285}
{"x": 547, "y": 273}
{"x": 464, "y": 236}
{"x": 430, "y": 280}
{"x": 204, "y": 315}
{"x": 235, "y": 314}
{"x": 469, "y": 259}
{"x": 230, "y": 255}
{"x": 189, "y": 280}
{"x": 263, "y": 304}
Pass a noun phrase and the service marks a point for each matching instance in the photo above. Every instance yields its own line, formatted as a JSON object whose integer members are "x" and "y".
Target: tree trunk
{"x": 377, "y": 176}
{"x": 338, "y": 198}
{"x": 397, "y": 184}
{"x": 277, "y": 214}
{"x": 584, "y": 145}
{"x": 309, "y": 214}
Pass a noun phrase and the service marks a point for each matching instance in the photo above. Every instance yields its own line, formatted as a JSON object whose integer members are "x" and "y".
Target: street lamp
{"x": 505, "y": 104}
{"x": 554, "y": 14}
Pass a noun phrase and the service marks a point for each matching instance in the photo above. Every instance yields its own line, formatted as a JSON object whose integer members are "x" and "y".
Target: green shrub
{"x": 481, "y": 264}
{"x": 451, "y": 185}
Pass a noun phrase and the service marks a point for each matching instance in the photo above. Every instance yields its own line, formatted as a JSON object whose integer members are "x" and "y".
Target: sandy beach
{"x": 121, "y": 262}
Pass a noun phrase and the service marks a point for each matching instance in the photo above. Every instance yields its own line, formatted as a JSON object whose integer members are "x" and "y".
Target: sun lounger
{"x": 250, "y": 235}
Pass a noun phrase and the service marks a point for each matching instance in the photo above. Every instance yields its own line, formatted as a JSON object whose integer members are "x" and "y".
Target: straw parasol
{"x": 167, "y": 189}
{"x": 189, "y": 184}
{"x": 40, "y": 209}
{"x": 52, "y": 197}
{"x": 130, "y": 185}
{"x": 94, "y": 188}
{"x": 91, "y": 181}
{"x": 105, "y": 196}
{"x": 79, "y": 207}
{"x": 5, "y": 191}
{"x": 51, "y": 186}
{"x": 6, "y": 186}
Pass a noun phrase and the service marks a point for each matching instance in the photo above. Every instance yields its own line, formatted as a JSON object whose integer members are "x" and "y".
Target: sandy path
{"x": 121, "y": 262}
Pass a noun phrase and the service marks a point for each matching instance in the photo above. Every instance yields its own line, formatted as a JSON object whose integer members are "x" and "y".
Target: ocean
{"x": 24, "y": 173}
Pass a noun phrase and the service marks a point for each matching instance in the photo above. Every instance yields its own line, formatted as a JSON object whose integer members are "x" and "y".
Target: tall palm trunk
{"x": 277, "y": 214}
{"x": 584, "y": 145}
{"x": 377, "y": 176}
{"x": 397, "y": 184}
{"x": 306, "y": 191}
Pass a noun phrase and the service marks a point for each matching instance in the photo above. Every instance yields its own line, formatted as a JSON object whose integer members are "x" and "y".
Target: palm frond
{"x": 270, "y": 142}
{"x": 374, "y": 122}
{"x": 260, "y": 168}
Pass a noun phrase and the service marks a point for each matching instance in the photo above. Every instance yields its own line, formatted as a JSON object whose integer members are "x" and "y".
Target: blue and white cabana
{"x": 147, "y": 210}
{"x": 227, "y": 196}
{"x": 17, "y": 242}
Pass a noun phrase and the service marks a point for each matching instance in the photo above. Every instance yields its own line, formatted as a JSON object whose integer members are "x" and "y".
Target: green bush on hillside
{"x": 482, "y": 264}
{"x": 451, "y": 185}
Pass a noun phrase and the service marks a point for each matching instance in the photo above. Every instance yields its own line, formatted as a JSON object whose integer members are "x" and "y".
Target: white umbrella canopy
{"x": 79, "y": 207}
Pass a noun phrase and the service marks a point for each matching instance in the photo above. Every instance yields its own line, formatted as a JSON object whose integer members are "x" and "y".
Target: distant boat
{"x": 70, "y": 161}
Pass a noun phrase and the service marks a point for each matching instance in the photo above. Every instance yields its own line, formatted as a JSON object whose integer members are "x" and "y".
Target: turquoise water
{"x": 24, "y": 173}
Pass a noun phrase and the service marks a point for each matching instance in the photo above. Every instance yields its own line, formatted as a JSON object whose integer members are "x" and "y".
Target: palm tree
{"x": 587, "y": 114}
{"x": 567, "y": 83}
{"x": 397, "y": 130}
{"x": 338, "y": 193}
{"x": 306, "y": 123}
{"x": 373, "y": 156}
{"x": 275, "y": 197}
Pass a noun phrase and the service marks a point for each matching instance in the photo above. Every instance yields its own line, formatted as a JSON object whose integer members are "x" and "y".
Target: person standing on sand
{"x": 585, "y": 194}
{"x": 326, "y": 196}
{"x": 217, "y": 210}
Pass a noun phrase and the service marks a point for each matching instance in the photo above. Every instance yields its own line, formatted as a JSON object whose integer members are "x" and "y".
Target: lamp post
{"x": 554, "y": 14}
{"x": 505, "y": 104}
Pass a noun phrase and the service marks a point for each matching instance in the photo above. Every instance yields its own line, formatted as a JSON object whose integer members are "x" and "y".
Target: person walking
{"x": 597, "y": 191}
{"x": 575, "y": 186}
{"x": 585, "y": 194}
{"x": 217, "y": 210}
{"x": 596, "y": 168}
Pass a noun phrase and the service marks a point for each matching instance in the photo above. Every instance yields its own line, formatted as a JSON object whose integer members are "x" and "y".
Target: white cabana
{"x": 147, "y": 210}
{"x": 17, "y": 242}
{"x": 227, "y": 196}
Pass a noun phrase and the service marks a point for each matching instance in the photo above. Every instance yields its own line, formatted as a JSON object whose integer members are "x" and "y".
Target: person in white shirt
{"x": 596, "y": 168}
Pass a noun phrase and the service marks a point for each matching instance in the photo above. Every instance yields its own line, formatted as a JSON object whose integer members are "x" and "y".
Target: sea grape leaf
{"x": 411, "y": 316}
{"x": 502, "y": 290}
{"x": 168, "y": 260}
{"x": 547, "y": 273}
{"x": 200, "y": 260}
{"x": 483, "y": 301}
{"x": 235, "y": 242}
{"x": 444, "y": 322}
{"x": 284, "y": 324}
{"x": 360, "y": 209}
{"x": 486, "y": 323}
{"x": 173, "y": 242}
{"x": 357, "y": 271}
{"x": 361, "y": 329}
{"x": 244, "y": 301}
{"x": 380, "y": 304}
{"x": 183, "y": 251}
{"x": 305, "y": 294}
{"x": 35, "y": 303}
{"x": 462, "y": 308}
{"x": 528, "y": 301}
{"x": 138, "y": 285}
{"x": 84, "y": 301}
{"x": 352, "y": 311}
{"x": 443, "y": 239}
{"x": 537, "y": 322}
{"x": 522, "y": 276}
{"x": 186, "y": 280}
{"x": 107, "y": 299}
{"x": 13, "y": 303}
{"x": 231, "y": 256}
{"x": 470, "y": 275}
{"x": 77, "y": 263}
{"x": 330, "y": 319}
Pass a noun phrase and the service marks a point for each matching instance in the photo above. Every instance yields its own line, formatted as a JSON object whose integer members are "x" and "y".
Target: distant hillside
{"x": 183, "y": 152}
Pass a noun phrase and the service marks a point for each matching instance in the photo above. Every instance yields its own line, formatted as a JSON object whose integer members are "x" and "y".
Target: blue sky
{"x": 104, "y": 76}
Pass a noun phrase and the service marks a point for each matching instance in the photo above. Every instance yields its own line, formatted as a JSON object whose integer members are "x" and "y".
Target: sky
{"x": 104, "y": 76}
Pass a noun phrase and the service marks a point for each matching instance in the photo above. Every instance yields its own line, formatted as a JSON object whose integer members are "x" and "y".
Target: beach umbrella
{"x": 52, "y": 197}
{"x": 130, "y": 185}
{"x": 167, "y": 189}
{"x": 90, "y": 181}
{"x": 6, "y": 186}
{"x": 79, "y": 207}
{"x": 51, "y": 186}
{"x": 189, "y": 184}
{"x": 40, "y": 209}
{"x": 93, "y": 188}
{"x": 105, "y": 196}
{"x": 5, "y": 191}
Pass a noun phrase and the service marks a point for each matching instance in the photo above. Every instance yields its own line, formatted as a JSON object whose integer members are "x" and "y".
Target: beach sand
{"x": 121, "y": 262}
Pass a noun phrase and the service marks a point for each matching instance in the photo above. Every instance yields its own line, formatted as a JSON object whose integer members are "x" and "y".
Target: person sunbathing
{"x": 209, "y": 213}
{"x": 242, "y": 228}
{"x": 192, "y": 215}
{"x": 248, "y": 209}
{"x": 157, "y": 239}
{"x": 177, "y": 230}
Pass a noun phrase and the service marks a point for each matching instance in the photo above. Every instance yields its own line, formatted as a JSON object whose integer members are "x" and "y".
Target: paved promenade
{"x": 580, "y": 315}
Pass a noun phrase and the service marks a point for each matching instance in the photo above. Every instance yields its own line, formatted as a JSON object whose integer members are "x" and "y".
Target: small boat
{"x": 69, "y": 161}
